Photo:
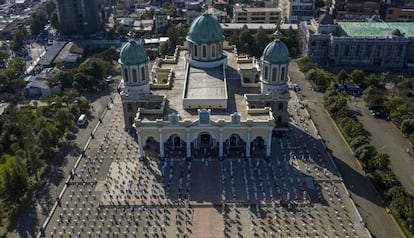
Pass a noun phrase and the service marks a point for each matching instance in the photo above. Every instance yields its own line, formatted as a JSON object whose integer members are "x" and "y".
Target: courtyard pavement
{"x": 296, "y": 193}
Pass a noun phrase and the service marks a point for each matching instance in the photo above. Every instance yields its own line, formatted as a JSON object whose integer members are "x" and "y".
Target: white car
{"x": 296, "y": 88}
{"x": 109, "y": 79}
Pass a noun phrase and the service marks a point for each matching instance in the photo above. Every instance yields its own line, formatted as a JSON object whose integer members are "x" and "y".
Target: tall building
{"x": 295, "y": 11}
{"x": 205, "y": 100}
{"x": 79, "y": 17}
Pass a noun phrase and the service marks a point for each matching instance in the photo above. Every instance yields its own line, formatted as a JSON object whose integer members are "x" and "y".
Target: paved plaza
{"x": 295, "y": 193}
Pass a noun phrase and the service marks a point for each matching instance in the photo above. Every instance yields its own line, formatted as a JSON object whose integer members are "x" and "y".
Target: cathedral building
{"x": 205, "y": 101}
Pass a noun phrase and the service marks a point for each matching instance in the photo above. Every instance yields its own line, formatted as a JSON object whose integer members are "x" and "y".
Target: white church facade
{"x": 205, "y": 101}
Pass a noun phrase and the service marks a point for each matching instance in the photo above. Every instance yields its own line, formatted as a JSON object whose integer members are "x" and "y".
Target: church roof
{"x": 133, "y": 53}
{"x": 276, "y": 52}
{"x": 205, "y": 29}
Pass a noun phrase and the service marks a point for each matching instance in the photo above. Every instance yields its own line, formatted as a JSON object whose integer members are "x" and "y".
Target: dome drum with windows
{"x": 134, "y": 67}
{"x": 275, "y": 62}
{"x": 276, "y": 53}
{"x": 205, "y": 39}
{"x": 133, "y": 53}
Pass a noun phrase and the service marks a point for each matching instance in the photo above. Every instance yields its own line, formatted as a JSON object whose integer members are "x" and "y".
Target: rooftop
{"x": 256, "y": 26}
{"x": 206, "y": 84}
{"x": 256, "y": 9}
{"x": 375, "y": 29}
{"x": 235, "y": 92}
{"x": 51, "y": 53}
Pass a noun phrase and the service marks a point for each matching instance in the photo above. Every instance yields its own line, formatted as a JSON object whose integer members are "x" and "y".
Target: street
{"x": 378, "y": 221}
{"x": 34, "y": 213}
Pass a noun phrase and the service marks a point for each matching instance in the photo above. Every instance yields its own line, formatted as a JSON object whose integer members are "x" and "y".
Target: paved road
{"x": 362, "y": 191}
{"x": 38, "y": 207}
{"x": 395, "y": 145}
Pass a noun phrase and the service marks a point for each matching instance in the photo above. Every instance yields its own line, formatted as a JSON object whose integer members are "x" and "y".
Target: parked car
{"x": 109, "y": 79}
{"x": 296, "y": 88}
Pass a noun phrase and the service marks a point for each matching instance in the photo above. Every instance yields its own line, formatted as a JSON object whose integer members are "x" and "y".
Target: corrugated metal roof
{"x": 375, "y": 29}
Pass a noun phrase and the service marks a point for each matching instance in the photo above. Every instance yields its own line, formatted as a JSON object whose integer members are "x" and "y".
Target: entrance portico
{"x": 206, "y": 141}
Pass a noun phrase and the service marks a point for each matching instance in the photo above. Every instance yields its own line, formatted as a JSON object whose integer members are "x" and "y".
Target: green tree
{"x": 261, "y": 41}
{"x": 39, "y": 20}
{"x": 122, "y": 30}
{"x": 306, "y": 64}
{"x": 245, "y": 41}
{"x": 342, "y": 76}
{"x": 290, "y": 38}
{"x": 378, "y": 161}
{"x": 13, "y": 178}
{"x": 70, "y": 95}
{"x": 4, "y": 57}
{"x": 163, "y": 48}
{"x": 407, "y": 126}
{"x": 18, "y": 40}
{"x": 338, "y": 107}
{"x": 357, "y": 76}
{"x": 359, "y": 141}
{"x": 94, "y": 69}
{"x": 50, "y": 8}
{"x": 364, "y": 153}
{"x": 396, "y": 192}
{"x": 54, "y": 20}
{"x": 388, "y": 179}
{"x": 234, "y": 38}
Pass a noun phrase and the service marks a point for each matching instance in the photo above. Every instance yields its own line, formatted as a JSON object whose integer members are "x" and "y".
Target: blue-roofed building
{"x": 373, "y": 45}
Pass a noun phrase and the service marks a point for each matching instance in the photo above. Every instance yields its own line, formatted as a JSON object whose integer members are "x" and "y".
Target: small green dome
{"x": 133, "y": 53}
{"x": 205, "y": 29}
{"x": 276, "y": 53}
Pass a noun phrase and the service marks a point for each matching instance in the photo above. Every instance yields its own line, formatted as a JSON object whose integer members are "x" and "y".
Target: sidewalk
{"x": 37, "y": 208}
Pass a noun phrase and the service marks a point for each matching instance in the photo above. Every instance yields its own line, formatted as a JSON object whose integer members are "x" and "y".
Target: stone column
{"x": 162, "y": 152}
{"x": 141, "y": 146}
{"x": 269, "y": 143}
{"x": 188, "y": 143}
{"x": 221, "y": 143}
{"x": 248, "y": 142}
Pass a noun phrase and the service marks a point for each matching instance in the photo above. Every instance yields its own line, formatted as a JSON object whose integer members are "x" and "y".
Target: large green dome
{"x": 276, "y": 53}
{"x": 133, "y": 53}
{"x": 205, "y": 29}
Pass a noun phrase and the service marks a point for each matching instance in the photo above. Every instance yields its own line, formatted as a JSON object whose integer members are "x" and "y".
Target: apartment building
{"x": 79, "y": 16}
{"x": 357, "y": 9}
{"x": 256, "y": 15}
{"x": 395, "y": 14}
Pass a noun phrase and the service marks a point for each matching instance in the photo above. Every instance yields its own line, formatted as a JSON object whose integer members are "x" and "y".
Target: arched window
{"x": 134, "y": 76}
{"x": 280, "y": 106}
{"x": 346, "y": 50}
{"x": 204, "y": 51}
{"x": 143, "y": 73}
{"x": 213, "y": 51}
{"x": 266, "y": 72}
{"x": 282, "y": 75}
{"x": 126, "y": 74}
{"x": 195, "y": 51}
{"x": 368, "y": 51}
{"x": 274, "y": 73}
{"x": 336, "y": 50}
{"x": 220, "y": 46}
